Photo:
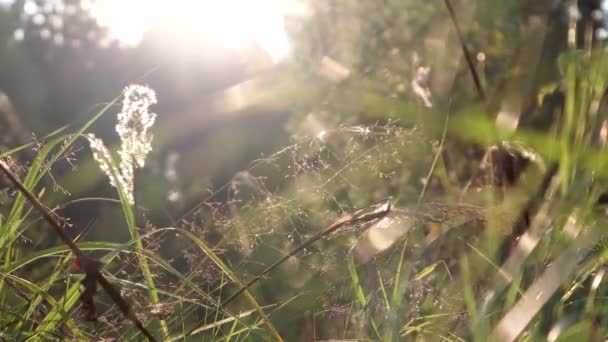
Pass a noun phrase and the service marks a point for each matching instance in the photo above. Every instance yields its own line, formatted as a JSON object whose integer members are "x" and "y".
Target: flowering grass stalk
{"x": 134, "y": 122}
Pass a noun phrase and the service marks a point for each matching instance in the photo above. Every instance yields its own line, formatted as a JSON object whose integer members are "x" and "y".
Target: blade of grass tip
{"x": 231, "y": 333}
{"x": 15, "y": 150}
{"x": 396, "y": 299}
{"x": 83, "y": 128}
{"x": 434, "y": 163}
{"x": 23, "y": 147}
{"x": 217, "y": 310}
{"x": 57, "y": 250}
{"x": 45, "y": 166}
{"x": 360, "y": 293}
{"x": 427, "y": 270}
{"x": 383, "y": 291}
{"x": 221, "y": 322}
{"x": 72, "y": 138}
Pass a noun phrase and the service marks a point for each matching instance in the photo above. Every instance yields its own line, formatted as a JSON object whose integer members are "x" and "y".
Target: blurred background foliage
{"x": 375, "y": 100}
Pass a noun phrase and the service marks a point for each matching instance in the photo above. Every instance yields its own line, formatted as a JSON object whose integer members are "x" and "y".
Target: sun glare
{"x": 237, "y": 24}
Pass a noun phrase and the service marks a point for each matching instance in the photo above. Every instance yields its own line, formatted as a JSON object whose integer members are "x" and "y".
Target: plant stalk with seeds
{"x": 134, "y": 121}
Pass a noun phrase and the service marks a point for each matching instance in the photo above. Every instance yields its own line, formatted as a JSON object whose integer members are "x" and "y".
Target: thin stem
{"x": 467, "y": 53}
{"x": 129, "y": 210}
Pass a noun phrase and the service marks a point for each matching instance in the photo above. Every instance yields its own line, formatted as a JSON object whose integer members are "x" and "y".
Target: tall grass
{"x": 520, "y": 261}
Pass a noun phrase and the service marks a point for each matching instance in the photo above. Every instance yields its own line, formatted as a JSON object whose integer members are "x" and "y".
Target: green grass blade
{"x": 360, "y": 293}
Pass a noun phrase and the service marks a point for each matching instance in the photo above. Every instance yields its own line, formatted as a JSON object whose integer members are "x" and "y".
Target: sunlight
{"x": 237, "y": 24}
{"x": 6, "y": 3}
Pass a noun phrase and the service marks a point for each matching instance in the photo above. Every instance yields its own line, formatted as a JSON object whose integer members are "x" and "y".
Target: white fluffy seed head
{"x": 134, "y": 121}
{"x": 102, "y": 156}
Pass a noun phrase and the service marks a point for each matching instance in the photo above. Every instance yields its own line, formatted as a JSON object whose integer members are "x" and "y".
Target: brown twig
{"x": 90, "y": 266}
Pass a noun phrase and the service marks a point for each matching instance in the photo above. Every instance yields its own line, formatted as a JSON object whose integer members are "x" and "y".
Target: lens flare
{"x": 237, "y": 24}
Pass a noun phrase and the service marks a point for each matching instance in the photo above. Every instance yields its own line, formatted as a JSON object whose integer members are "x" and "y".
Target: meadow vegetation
{"x": 445, "y": 183}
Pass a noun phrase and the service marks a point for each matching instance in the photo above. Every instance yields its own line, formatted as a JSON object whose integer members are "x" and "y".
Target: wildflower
{"x": 134, "y": 121}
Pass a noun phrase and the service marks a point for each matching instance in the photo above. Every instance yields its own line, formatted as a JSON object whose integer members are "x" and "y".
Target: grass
{"x": 405, "y": 274}
{"x": 524, "y": 261}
